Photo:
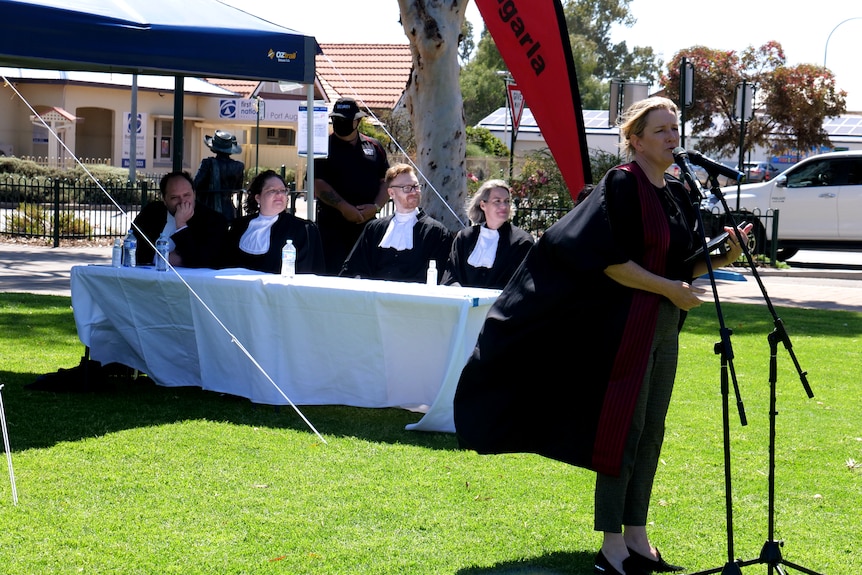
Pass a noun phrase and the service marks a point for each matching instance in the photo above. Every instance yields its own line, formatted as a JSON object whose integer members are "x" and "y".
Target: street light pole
{"x": 826, "y": 48}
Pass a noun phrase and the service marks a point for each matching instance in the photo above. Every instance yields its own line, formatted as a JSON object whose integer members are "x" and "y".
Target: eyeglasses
{"x": 408, "y": 188}
{"x": 275, "y": 192}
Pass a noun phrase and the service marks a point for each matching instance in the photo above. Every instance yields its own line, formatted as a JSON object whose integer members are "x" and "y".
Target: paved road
{"x": 823, "y": 280}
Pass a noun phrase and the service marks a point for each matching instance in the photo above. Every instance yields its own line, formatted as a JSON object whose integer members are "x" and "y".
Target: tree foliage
{"x": 466, "y": 45}
{"x": 483, "y": 139}
{"x": 797, "y": 100}
{"x": 590, "y": 23}
{"x": 789, "y": 107}
{"x": 596, "y": 59}
{"x": 482, "y": 90}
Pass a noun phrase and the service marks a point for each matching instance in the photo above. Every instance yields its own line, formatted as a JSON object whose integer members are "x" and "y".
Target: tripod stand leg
{"x": 732, "y": 567}
{"x": 770, "y": 553}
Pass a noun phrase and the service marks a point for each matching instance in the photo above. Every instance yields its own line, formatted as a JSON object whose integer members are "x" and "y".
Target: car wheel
{"x": 757, "y": 236}
{"x": 784, "y": 254}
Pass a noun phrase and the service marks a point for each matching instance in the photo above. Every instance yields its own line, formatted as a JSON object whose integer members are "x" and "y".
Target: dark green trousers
{"x": 624, "y": 500}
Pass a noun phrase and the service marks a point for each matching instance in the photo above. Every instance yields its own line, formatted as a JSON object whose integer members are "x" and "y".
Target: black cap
{"x": 346, "y": 108}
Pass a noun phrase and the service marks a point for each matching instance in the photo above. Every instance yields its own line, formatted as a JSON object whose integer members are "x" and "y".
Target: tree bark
{"x": 433, "y": 100}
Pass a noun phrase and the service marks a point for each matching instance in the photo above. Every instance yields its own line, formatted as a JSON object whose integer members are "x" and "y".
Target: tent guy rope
{"x": 171, "y": 268}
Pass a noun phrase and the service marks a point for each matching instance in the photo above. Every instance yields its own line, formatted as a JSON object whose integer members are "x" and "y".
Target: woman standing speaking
{"x": 598, "y": 303}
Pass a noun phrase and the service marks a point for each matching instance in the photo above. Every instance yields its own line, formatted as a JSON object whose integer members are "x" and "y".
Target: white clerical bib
{"x": 255, "y": 240}
{"x": 486, "y": 248}
{"x": 399, "y": 234}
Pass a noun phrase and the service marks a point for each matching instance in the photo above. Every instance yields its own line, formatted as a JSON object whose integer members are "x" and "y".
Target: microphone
{"x": 712, "y": 167}
{"x": 680, "y": 156}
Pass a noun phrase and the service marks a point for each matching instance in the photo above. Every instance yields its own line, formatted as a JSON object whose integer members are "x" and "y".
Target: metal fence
{"x": 535, "y": 217}
{"x": 760, "y": 242}
{"x": 70, "y": 209}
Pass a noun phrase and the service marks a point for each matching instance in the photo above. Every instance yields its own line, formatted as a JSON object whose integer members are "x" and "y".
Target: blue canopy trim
{"x": 202, "y": 38}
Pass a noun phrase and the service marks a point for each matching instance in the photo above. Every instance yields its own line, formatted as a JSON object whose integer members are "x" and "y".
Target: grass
{"x": 141, "y": 479}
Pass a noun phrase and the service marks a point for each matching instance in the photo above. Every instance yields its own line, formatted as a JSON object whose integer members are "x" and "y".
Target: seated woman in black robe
{"x": 255, "y": 240}
{"x": 487, "y": 253}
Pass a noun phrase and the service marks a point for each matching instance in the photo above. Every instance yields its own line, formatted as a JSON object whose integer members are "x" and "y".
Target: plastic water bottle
{"x": 288, "y": 259}
{"x": 431, "y": 274}
{"x": 117, "y": 254}
{"x": 130, "y": 247}
{"x": 162, "y": 247}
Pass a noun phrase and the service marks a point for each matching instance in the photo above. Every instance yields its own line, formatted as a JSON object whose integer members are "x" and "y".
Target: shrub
{"x": 25, "y": 168}
{"x": 601, "y": 162}
{"x": 375, "y": 132}
{"x": 251, "y": 173}
{"x": 28, "y": 219}
{"x": 540, "y": 182}
{"x": 488, "y": 143}
{"x": 33, "y": 220}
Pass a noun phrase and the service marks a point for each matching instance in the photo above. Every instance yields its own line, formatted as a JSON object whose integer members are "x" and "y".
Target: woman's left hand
{"x": 733, "y": 242}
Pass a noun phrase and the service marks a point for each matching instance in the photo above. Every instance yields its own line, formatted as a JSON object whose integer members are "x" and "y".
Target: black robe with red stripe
{"x": 563, "y": 351}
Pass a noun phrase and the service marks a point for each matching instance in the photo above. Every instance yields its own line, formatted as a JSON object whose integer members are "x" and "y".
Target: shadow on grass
{"x": 557, "y": 563}
{"x": 39, "y": 419}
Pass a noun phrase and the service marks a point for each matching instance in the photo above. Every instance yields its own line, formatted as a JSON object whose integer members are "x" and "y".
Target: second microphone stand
{"x": 770, "y": 553}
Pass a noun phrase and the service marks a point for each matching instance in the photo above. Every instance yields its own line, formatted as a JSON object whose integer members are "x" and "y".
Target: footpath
{"x": 29, "y": 268}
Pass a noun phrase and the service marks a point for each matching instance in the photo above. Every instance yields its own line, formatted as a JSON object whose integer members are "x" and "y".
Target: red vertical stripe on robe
{"x": 632, "y": 355}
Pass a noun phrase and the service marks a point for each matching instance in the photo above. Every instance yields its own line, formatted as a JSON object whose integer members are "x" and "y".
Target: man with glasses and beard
{"x": 348, "y": 184}
{"x": 399, "y": 247}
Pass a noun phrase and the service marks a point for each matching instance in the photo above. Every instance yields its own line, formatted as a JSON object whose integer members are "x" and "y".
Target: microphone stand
{"x": 770, "y": 553}
{"x": 724, "y": 349}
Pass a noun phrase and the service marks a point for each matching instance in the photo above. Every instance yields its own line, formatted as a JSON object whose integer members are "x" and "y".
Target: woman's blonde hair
{"x": 474, "y": 210}
{"x": 633, "y": 121}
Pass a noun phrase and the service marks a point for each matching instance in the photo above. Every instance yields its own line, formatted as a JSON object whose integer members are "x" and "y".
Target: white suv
{"x": 818, "y": 203}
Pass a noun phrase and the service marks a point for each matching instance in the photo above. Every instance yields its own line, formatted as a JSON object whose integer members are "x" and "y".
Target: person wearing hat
{"x": 220, "y": 177}
{"x": 348, "y": 184}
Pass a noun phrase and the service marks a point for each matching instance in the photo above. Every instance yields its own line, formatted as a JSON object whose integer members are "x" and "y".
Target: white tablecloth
{"x": 321, "y": 340}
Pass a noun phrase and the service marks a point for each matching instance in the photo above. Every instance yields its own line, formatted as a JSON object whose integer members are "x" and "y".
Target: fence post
{"x": 773, "y": 248}
{"x": 56, "y": 213}
{"x": 143, "y": 193}
{"x": 516, "y": 202}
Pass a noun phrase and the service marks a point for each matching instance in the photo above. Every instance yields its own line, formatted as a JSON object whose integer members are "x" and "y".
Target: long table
{"x": 309, "y": 340}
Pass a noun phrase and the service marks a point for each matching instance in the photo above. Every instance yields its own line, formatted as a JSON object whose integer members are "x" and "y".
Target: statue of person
{"x": 220, "y": 177}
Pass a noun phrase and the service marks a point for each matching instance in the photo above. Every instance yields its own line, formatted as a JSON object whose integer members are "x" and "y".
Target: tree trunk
{"x": 433, "y": 99}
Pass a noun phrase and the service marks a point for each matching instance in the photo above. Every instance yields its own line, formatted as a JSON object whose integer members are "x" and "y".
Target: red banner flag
{"x": 533, "y": 40}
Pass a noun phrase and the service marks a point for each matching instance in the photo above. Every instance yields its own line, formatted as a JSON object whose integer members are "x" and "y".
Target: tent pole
{"x": 309, "y": 158}
{"x": 178, "y": 124}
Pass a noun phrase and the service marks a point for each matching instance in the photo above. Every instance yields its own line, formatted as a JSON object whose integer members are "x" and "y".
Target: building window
{"x": 163, "y": 141}
{"x": 277, "y": 137}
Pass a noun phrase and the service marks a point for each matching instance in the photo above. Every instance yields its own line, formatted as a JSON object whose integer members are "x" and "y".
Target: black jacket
{"x": 200, "y": 243}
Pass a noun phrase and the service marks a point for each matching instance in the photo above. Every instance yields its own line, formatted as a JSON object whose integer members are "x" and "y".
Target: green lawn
{"x": 142, "y": 479}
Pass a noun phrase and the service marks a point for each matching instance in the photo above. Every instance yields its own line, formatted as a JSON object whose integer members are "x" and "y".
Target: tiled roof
{"x": 375, "y": 74}
{"x": 244, "y": 88}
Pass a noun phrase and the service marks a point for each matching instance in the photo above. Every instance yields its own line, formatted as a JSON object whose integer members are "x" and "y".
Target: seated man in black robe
{"x": 399, "y": 247}
{"x": 195, "y": 232}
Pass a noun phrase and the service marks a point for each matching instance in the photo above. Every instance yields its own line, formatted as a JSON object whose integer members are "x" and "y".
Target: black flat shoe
{"x": 649, "y": 564}
{"x": 603, "y": 567}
